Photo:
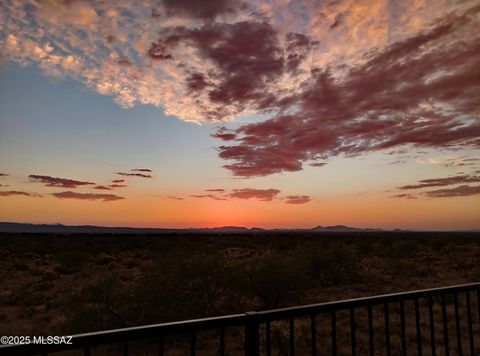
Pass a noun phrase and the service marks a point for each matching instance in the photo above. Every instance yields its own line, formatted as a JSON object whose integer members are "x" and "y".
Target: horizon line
{"x": 252, "y": 228}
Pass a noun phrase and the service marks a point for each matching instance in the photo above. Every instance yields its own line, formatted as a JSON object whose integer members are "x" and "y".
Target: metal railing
{"x": 441, "y": 338}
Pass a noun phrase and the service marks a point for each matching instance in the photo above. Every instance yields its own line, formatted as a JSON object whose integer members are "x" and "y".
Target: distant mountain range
{"x": 88, "y": 229}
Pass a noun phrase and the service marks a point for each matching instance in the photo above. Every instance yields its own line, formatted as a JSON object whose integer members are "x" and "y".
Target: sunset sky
{"x": 179, "y": 113}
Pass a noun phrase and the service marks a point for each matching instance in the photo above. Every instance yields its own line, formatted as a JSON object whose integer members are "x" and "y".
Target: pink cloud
{"x": 87, "y": 196}
{"x": 117, "y": 186}
{"x": 186, "y": 71}
{"x": 148, "y": 170}
{"x": 58, "y": 182}
{"x": 172, "y": 197}
{"x": 249, "y": 58}
{"x": 19, "y": 193}
{"x": 210, "y": 196}
{"x": 260, "y": 194}
{"x": 461, "y": 161}
{"x": 297, "y": 199}
{"x": 118, "y": 180}
{"x": 318, "y": 164}
{"x": 102, "y": 187}
{"x": 404, "y": 196}
{"x": 430, "y": 100}
{"x": 397, "y": 161}
{"x": 250, "y": 193}
{"x": 126, "y": 174}
{"x": 438, "y": 182}
{"x": 460, "y": 191}
{"x": 224, "y": 136}
{"x": 205, "y": 9}
{"x": 223, "y": 133}
{"x": 196, "y": 82}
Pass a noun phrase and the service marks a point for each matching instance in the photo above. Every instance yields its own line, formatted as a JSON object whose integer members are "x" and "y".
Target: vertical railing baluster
{"x": 125, "y": 348}
{"x": 432, "y": 326}
{"x": 161, "y": 346}
{"x": 87, "y": 351}
{"x": 478, "y": 304}
{"x": 370, "y": 331}
{"x": 387, "y": 329}
{"x": 352, "y": 332}
{"x": 417, "y": 325}
{"x": 470, "y": 325}
{"x": 291, "y": 336}
{"x": 457, "y": 325}
{"x": 445, "y": 326}
{"x": 334, "y": 334}
{"x": 222, "y": 342}
{"x": 313, "y": 323}
{"x": 193, "y": 344}
{"x": 402, "y": 327}
{"x": 252, "y": 336}
{"x": 268, "y": 339}
{"x": 478, "y": 310}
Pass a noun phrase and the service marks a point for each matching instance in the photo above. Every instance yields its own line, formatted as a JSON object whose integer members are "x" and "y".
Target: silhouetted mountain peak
{"x": 337, "y": 228}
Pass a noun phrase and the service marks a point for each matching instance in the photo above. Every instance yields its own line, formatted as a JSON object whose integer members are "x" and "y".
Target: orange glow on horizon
{"x": 358, "y": 211}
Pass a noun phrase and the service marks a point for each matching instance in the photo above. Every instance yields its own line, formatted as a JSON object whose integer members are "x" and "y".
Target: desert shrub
{"x": 71, "y": 261}
{"x": 182, "y": 287}
{"x": 438, "y": 243}
{"x": 408, "y": 248}
{"x": 27, "y": 313}
{"x": 334, "y": 265}
{"x": 131, "y": 263}
{"x": 399, "y": 267}
{"x": 366, "y": 247}
{"x": 49, "y": 275}
{"x": 274, "y": 279}
{"x": 387, "y": 247}
{"x": 20, "y": 266}
{"x": 44, "y": 286}
{"x": 103, "y": 304}
{"x": 473, "y": 276}
{"x": 104, "y": 259}
{"x": 285, "y": 246}
{"x": 26, "y": 295}
{"x": 41, "y": 247}
{"x": 464, "y": 265}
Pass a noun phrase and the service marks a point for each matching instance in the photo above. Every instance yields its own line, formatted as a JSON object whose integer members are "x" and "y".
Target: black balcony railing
{"x": 440, "y": 321}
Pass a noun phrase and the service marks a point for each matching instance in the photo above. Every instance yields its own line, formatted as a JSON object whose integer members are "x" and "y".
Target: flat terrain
{"x": 55, "y": 284}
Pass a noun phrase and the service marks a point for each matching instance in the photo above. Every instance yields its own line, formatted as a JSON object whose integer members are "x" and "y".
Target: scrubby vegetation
{"x": 66, "y": 284}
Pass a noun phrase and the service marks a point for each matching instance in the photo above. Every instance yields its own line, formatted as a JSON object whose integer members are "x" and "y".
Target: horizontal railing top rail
{"x": 87, "y": 340}
{"x": 304, "y": 310}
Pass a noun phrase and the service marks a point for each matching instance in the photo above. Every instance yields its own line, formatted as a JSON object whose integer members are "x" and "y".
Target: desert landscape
{"x": 63, "y": 284}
